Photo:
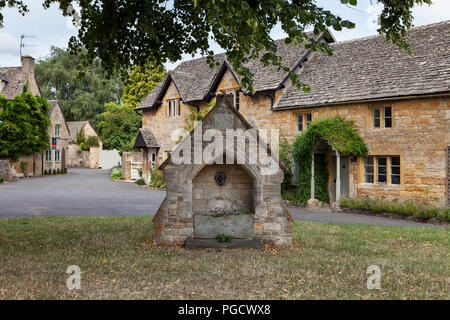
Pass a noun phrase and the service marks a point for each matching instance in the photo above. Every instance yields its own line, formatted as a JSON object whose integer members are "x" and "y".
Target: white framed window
{"x": 48, "y": 156}
{"x": 382, "y": 170}
{"x": 57, "y": 130}
{"x": 173, "y": 108}
{"x": 57, "y": 155}
{"x": 300, "y": 122}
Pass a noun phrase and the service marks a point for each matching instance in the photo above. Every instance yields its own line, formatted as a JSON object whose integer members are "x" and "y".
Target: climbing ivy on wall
{"x": 338, "y": 133}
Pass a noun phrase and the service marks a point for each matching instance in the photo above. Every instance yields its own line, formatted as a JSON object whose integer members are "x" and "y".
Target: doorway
{"x": 344, "y": 177}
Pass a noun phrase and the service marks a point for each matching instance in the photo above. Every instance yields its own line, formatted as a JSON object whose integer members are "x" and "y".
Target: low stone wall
{"x": 5, "y": 170}
{"x": 127, "y": 159}
{"x": 77, "y": 158}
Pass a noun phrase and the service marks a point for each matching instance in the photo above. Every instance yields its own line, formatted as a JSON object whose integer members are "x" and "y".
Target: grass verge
{"x": 119, "y": 261}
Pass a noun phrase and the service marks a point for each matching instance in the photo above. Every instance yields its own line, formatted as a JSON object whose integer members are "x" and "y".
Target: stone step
{"x": 192, "y": 243}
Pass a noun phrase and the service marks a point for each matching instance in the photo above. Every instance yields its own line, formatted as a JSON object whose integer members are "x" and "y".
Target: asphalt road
{"x": 90, "y": 192}
{"x": 82, "y": 192}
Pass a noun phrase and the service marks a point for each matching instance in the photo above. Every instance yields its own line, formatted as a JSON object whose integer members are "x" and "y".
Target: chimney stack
{"x": 28, "y": 64}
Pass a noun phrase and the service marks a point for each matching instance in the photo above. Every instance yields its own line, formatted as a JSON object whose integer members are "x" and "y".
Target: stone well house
{"x": 12, "y": 83}
{"x": 400, "y": 105}
{"x": 77, "y": 157}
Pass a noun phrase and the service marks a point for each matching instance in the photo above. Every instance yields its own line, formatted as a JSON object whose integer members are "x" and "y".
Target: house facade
{"x": 56, "y": 156}
{"x": 77, "y": 157}
{"x": 399, "y": 103}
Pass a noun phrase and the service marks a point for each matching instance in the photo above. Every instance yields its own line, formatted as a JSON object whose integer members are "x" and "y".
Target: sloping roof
{"x": 55, "y": 104}
{"x": 194, "y": 78}
{"x": 15, "y": 80}
{"x": 145, "y": 139}
{"x": 370, "y": 68}
{"x": 75, "y": 127}
{"x": 223, "y": 101}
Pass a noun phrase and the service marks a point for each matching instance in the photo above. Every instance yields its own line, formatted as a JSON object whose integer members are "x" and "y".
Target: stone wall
{"x": 77, "y": 158}
{"x": 34, "y": 167}
{"x": 127, "y": 158}
{"x": 5, "y": 170}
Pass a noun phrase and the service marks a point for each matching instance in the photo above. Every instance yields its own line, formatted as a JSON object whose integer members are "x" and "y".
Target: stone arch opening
{"x": 223, "y": 201}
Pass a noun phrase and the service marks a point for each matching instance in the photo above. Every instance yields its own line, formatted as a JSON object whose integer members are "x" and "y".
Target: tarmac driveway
{"x": 82, "y": 192}
{"x": 90, "y": 192}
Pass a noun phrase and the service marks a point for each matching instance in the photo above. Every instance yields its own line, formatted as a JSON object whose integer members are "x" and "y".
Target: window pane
{"x": 395, "y": 161}
{"x": 387, "y": 117}
{"x": 236, "y": 100}
{"x": 395, "y": 170}
{"x": 178, "y": 108}
{"x": 395, "y": 179}
{"x": 381, "y": 168}
{"x": 308, "y": 120}
{"x": 376, "y": 118}
{"x": 368, "y": 170}
{"x": 299, "y": 122}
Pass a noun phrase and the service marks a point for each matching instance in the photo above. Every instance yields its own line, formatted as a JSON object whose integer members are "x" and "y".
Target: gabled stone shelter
{"x": 206, "y": 199}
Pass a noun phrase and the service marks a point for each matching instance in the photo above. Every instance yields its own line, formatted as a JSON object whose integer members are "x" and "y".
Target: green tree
{"x": 24, "y": 130}
{"x": 141, "y": 81}
{"x": 81, "y": 98}
{"x": 119, "y": 127}
{"x": 124, "y": 33}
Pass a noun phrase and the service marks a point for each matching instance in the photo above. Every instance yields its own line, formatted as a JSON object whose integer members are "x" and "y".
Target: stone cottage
{"x": 12, "y": 83}
{"x": 224, "y": 194}
{"x": 400, "y": 105}
{"x": 56, "y": 156}
{"x": 76, "y": 156}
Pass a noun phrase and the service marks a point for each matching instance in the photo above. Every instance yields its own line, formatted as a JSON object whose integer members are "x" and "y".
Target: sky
{"x": 47, "y": 27}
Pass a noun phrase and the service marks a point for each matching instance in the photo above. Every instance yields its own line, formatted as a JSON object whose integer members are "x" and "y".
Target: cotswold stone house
{"x": 56, "y": 156}
{"x": 400, "y": 105}
{"x": 12, "y": 83}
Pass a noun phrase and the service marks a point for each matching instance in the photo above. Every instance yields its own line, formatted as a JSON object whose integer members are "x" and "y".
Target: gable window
{"x": 303, "y": 121}
{"x": 57, "y": 155}
{"x": 382, "y": 117}
{"x": 236, "y": 99}
{"x": 173, "y": 108}
{"x": 48, "y": 156}
{"x": 368, "y": 170}
{"x": 57, "y": 130}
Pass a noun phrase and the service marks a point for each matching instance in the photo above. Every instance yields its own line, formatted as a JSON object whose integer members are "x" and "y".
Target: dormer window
{"x": 173, "y": 108}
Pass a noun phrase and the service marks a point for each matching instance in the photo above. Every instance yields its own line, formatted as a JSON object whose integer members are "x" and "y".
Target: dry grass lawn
{"x": 118, "y": 261}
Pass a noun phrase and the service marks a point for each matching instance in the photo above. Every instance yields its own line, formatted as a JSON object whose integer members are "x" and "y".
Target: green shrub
{"x": 65, "y": 170}
{"x": 403, "y": 208}
{"x": 140, "y": 182}
{"x": 224, "y": 238}
{"x": 58, "y": 171}
{"x": 1, "y": 180}
{"x": 23, "y": 166}
{"x": 45, "y": 172}
{"x": 54, "y": 172}
{"x": 116, "y": 173}
{"x": 157, "y": 178}
{"x": 92, "y": 141}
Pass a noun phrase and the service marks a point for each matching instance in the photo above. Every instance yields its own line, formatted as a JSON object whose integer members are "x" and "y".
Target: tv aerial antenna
{"x": 23, "y": 45}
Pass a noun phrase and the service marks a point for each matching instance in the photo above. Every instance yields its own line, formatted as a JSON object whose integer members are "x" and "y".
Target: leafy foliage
{"x": 140, "y": 182}
{"x": 224, "y": 238}
{"x": 157, "y": 178}
{"x": 162, "y": 32}
{"x": 196, "y": 115}
{"x": 25, "y": 125}
{"x": 81, "y": 98}
{"x": 286, "y": 158}
{"x": 338, "y": 133}
{"x": 119, "y": 127}
{"x": 141, "y": 81}
{"x": 116, "y": 173}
